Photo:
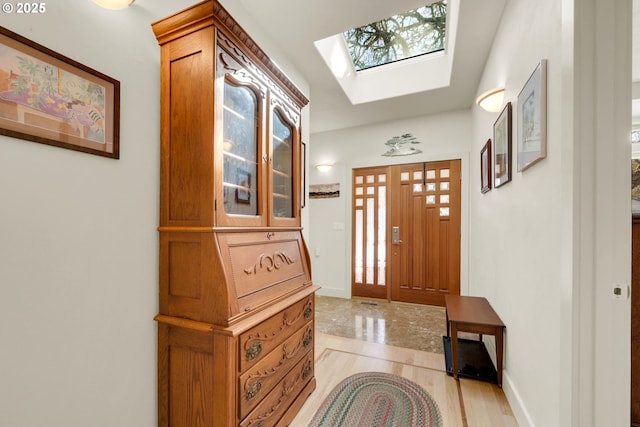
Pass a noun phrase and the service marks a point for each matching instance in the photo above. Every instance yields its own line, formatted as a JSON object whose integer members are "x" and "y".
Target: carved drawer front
{"x": 258, "y": 341}
{"x": 260, "y": 378}
{"x": 275, "y": 404}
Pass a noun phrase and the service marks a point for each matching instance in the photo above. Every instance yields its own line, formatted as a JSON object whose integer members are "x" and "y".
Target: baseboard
{"x": 333, "y": 292}
{"x": 510, "y": 391}
{"x": 517, "y": 405}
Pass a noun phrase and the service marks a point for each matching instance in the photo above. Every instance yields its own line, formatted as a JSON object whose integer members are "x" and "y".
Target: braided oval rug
{"x": 377, "y": 399}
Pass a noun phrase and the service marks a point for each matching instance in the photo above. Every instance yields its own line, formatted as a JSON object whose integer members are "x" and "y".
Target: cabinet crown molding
{"x": 208, "y": 13}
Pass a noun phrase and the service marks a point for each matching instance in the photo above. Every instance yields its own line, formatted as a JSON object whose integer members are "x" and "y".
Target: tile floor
{"x": 415, "y": 326}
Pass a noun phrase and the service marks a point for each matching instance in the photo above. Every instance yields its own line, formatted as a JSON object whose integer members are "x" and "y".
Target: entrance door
{"x": 406, "y": 232}
{"x": 425, "y": 228}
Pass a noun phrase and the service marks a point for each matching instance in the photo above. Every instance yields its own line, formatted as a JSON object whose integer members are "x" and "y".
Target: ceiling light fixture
{"x": 113, "y": 4}
{"x": 491, "y": 100}
{"x": 324, "y": 167}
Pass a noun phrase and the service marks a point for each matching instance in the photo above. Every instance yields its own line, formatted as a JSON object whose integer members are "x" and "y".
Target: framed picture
{"x": 303, "y": 168}
{"x": 485, "y": 167}
{"x": 48, "y": 98}
{"x": 324, "y": 191}
{"x": 502, "y": 148}
{"x": 243, "y": 193}
{"x": 635, "y": 187}
{"x": 532, "y": 118}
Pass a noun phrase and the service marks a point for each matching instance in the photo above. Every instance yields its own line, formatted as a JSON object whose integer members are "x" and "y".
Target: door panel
{"x": 425, "y": 205}
{"x": 369, "y": 273}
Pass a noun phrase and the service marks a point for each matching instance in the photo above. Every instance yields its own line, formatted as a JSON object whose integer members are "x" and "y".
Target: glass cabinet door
{"x": 282, "y": 167}
{"x": 241, "y": 151}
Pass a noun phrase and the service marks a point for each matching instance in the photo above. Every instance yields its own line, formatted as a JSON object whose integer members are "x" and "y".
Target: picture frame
{"x": 303, "y": 168}
{"x": 532, "y": 118}
{"x": 635, "y": 187}
{"x": 502, "y": 147}
{"x": 48, "y": 98}
{"x": 485, "y": 167}
{"x": 243, "y": 193}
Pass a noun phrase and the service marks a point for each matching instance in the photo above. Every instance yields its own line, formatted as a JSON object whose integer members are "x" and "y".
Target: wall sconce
{"x": 324, "y": 167}
{"x": 492, "y": 100}
{"x": 113, "y": 4}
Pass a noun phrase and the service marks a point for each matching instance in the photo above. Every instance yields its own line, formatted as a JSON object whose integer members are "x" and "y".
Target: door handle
{"x": 395, "y": 235}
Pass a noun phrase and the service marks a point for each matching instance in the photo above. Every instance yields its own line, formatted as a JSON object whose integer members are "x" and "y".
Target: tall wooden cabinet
{"x": 236, "y": 320}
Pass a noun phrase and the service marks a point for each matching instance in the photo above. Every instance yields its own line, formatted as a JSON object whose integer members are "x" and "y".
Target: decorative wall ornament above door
{"x": 397, "y": 145}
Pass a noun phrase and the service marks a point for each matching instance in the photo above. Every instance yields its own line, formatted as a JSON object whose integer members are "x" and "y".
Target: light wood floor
{"x": 467, "y": 403}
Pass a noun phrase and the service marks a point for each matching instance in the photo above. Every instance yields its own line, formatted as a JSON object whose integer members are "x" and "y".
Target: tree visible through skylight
{"x": 413, "y": 33}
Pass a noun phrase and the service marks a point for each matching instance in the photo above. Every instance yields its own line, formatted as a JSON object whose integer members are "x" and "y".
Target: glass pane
{"x": 405, "y": 35}
{"x": 431, "y": 200}
{"x": 417, "y": 176}
{"x": 444, "y": 211}
{"x": 371, "y": 237}
{"x": 382, "y": 178}
{"x": 359, "y": 191}
{"x": 282, "y": 167}
{"x": 359, "y": 202}
{"x": 431, "y": 186}
{"x": 370, "y": 179}
{"x": 431, "y": 174}
{"x": 382, "y": 239}
{"x": 444, "y": 173}
{"x": 371, "y": 190}
{"x": 444, "y": 186}
{"x": 417, "y": 188}
{"x": 404, "y": 176}
{"x": 240, "y": 148}
{"x": 358, "y": 261}
{"x": 359, "y": 179}
{"x": 444, "y": 198}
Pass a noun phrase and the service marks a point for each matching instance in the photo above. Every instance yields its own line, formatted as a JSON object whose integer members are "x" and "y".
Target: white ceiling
{"x": 294, "y": 25}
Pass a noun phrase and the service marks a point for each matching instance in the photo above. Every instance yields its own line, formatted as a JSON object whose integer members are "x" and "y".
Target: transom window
{"x": 416, "y": 32}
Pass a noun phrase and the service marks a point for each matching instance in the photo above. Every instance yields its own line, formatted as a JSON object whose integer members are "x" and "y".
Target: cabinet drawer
{"x": 263, "y": 338}
{"x": 260, "y": 378}
{"x": 276, "y": 403}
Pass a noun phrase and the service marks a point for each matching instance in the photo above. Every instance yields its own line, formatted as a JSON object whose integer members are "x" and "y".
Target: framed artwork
{"x": 532, "y": 119}
{"x": 485, "y": 167}
{"x": 243, "y": 193}
{"x": 502, "y": 148}
{"x": 324, "y": 191}
{"x": 635, "y": 187}
{"x": 48, "y": 98}
{"x": 303, "y": 168}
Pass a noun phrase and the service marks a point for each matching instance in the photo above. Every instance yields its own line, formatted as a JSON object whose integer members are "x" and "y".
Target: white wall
{"x": 516, "y": 223}
{"x": 443, "y": 136}
{"x": 78, "y": 239}
{"x": 550, "y": 266}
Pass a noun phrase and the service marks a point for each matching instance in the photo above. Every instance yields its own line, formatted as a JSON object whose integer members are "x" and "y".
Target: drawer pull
{"x": 308, "y": 312}
{"x": 308, "y": 339}
{"x": 254, "y": 390}
{"x": 254, "y": 350}
{"x": 306, "y": 371}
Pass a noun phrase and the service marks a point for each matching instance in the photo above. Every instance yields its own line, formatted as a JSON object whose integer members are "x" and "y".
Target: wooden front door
{"x": 406, "y": 232}
{"x": 425, "y": 231}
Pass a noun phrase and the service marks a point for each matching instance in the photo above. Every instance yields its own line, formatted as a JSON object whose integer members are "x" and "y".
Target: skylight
{"x": 416, "y": 32}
